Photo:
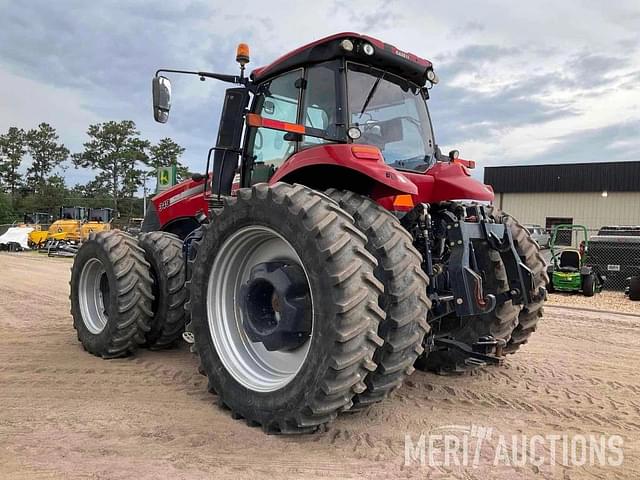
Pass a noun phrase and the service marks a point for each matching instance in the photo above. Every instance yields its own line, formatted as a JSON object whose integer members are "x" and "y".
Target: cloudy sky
{"x": 521, "y": 82}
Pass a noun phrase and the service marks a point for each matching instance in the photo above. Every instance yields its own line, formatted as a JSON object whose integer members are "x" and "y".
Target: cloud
{"x": 382, "y": 16}
{"x": 469, "y": 28}
{"x": 618, "y": 142}
{"x": 517, "y": 84}
{"x": 479, "y": 54}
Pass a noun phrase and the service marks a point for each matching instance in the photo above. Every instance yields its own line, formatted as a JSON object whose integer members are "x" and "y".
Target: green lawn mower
{"x": 569, "y": 271}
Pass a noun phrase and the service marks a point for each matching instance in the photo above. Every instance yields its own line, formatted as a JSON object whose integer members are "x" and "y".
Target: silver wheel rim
{"x": 251, "y": 364}
{"x": 93, "y": 289}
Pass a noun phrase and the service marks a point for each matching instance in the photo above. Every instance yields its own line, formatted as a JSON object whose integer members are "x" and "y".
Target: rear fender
{"x": 358, "y": 168}
{"x": 185, "y": 199}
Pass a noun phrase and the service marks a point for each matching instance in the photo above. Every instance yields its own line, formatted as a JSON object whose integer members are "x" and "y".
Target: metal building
{"x": 591, "y": 194}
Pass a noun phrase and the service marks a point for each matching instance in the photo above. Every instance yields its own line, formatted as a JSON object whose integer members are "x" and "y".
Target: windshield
{"x": 392, "y": 115}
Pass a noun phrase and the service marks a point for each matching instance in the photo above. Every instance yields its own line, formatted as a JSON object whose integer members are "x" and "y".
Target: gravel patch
{"x": 612, "y": 301}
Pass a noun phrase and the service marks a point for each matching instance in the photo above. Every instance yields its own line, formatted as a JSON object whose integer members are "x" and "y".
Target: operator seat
{"x": 569, "y": 261}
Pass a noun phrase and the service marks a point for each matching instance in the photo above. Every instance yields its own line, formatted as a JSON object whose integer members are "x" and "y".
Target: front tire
{"x": 111, "y": 295}
{"x": 290, "y": 230}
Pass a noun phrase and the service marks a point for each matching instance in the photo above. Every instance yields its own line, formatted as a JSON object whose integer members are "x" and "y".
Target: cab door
{"x": 279, "y": 100}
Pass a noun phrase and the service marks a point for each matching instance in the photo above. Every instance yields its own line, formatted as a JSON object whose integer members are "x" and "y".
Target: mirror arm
{"x": 217, "y": 76}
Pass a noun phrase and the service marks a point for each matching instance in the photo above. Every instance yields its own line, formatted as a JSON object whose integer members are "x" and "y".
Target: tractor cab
{"x": 73, "y": 213}
{"x": 38, "y": 236}
{"x": 99, "y": 220}
{"x": 346, "y": 111}
{"x": 101, "y": 215}
{"x": 35, "y": 219}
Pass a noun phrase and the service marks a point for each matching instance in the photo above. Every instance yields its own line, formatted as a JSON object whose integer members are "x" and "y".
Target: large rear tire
{"x": 163, "y": 251}
{"x": 285, "y": 229}
{"x": 404, "y": 301}
{"x": 111, "y": 294}
{"x": 498, "y": 323}
{"x": 529, "y": 252}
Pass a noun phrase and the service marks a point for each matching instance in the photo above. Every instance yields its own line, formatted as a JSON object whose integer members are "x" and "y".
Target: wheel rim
{"x": 250, "y": 363}
{"x": 94, "y": 288}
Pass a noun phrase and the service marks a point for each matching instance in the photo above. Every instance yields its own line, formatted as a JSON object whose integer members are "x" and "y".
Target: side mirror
{"x": 197, "y": 177}
{"x": 161, "y": 87}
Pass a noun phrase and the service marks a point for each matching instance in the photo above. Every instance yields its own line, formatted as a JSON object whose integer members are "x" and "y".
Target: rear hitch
{"x": 480, "y": 351}
{"x": 486, "y": 303}
{"x": 467, "y": 285}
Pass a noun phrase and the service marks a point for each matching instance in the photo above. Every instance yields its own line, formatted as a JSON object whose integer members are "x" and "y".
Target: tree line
{"x": 114, "y": 150}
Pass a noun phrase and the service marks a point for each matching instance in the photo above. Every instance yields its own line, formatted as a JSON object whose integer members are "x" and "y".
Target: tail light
{"x": 403, "y": 203}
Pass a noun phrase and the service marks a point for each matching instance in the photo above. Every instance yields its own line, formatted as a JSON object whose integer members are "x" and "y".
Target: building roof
{"x": 385, "y": 56}
{"x": 567, "y": 177}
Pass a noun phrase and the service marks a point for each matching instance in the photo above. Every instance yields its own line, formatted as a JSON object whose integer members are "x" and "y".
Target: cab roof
{"x": 385, "y": 56}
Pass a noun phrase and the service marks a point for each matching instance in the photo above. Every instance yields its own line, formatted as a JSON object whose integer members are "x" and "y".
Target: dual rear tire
{"x": 404, "y": 299}
{"x": 529, "y": 252}
{"x": 351, "y": 352}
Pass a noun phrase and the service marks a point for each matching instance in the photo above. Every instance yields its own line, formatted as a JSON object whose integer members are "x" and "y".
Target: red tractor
{"x": 330, "y": 249}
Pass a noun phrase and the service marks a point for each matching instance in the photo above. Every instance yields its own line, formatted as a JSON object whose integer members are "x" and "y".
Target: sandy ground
{"x": 66, "y": 414}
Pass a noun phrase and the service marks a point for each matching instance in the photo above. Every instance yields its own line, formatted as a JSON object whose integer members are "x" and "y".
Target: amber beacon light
{"x": 242, "y": 54}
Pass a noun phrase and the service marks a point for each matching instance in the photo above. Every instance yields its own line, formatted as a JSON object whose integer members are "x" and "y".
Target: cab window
{"x": 279, "y": 101}
{"x": 319, "y": 112}
{"x": 391, "y": 114}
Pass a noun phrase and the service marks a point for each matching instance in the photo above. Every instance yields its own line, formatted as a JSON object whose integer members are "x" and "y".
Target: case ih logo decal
{"x": 407, "y": 56}
{"x": 402, "y": 54}
{"x": 180, "y": 196}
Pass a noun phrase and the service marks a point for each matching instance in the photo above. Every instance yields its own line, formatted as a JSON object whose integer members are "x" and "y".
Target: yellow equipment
{"x": 99, "y": 221}
{"x": 36, "y": 221}
{"x": 66, "y": 228}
